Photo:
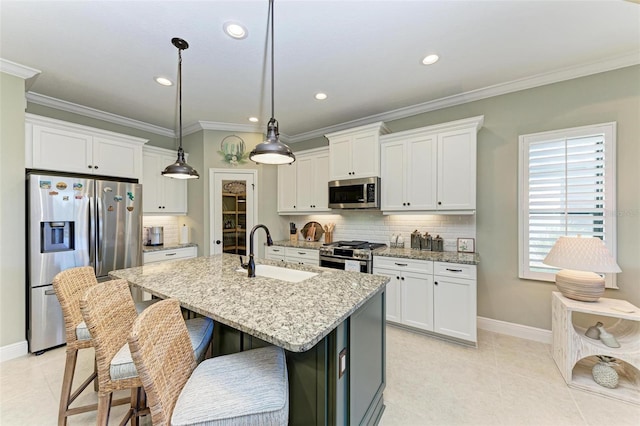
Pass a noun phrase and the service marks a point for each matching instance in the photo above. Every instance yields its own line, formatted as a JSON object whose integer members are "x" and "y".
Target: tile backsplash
{"x": 376, "y": 227}
{"x": 170, "y": 224}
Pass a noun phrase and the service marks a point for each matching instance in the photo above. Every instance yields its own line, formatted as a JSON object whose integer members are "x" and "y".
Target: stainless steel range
{"x": 349, "y": 255}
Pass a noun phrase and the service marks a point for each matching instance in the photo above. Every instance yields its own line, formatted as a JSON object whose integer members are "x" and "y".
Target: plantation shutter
{"x": 566, "y": 194}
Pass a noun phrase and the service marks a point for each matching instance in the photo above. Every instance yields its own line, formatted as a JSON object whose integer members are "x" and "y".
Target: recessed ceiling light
{"x": 321, "y": 96}
{"x": 235, "y": 30}
{"x": 430, "y": 59}
{"x": 164, "y": 81}
{"x": 253, "y": 119}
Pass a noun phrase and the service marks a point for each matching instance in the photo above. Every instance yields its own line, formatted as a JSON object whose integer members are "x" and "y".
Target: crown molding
{"x": 48, "y": 101}
{"x": 227, "y": 127}
{"x": 18, "y": 70}
{"x": 607, "y": 64}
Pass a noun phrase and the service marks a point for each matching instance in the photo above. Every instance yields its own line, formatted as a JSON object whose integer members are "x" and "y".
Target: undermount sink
{"x": 279, "y": 273}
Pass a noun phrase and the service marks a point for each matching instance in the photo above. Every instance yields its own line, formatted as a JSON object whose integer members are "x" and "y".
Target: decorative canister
{"x": 426, "y": 242}
{"x": 438, "y": 243}
{"x": 415, "y": 239}
{"x": 603, "y": 372}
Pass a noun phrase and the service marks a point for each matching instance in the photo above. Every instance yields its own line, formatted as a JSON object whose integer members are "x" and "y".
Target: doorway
{"x": 233, "y": 209}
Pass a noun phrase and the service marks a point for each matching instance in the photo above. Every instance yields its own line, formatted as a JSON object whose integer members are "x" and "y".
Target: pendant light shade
{"x": 180, "y": 169}
{"x": 272, "y": 151}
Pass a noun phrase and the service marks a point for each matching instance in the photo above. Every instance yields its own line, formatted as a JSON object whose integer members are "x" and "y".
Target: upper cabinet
{"x": 162, "y": 194}
{"x": 302, "y": 186}
{"x": 67, "y": 147}
{"x": 355, "y": 153}
{"x": 430, "y": 169}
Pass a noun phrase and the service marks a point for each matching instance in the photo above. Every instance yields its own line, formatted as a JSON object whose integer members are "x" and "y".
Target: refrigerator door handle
{"x": 91, "y": 226}
{"x": 99, "y": 228}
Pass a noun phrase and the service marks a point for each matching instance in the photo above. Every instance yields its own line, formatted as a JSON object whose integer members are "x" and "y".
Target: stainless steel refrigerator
{"x": 75, "y": 221}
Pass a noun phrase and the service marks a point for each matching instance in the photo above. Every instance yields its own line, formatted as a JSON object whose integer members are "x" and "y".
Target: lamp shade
{"x": 581, "y": 254}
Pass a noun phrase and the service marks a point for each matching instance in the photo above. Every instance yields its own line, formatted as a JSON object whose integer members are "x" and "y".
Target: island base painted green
{"x": 318, "y": 393}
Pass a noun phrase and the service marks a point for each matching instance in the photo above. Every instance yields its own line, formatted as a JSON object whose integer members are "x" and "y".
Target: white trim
{"x": 48, "y": 101}
{"x": 607, "y": 64}
{"x": 515, "y": 330}
{"x": 13, "y": 350}
{"x": 17, "y": 70}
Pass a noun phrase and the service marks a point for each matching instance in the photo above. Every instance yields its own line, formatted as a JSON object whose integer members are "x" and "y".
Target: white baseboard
{"x": 13, "y": 350}
{"x": 516, "y": 330}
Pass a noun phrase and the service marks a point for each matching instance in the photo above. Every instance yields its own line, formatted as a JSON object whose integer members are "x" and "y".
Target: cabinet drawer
{"x": 401, "y": 264}
{"x": 455, "y": 270}
{"x": 165, "y": 255}
{"x": 274, "y": 252}
{"x": 298, "y": 253}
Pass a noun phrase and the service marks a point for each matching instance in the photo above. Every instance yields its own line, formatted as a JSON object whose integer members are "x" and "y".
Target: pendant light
{"x": 272, "y": 151}
{"x": 180, "y": 169}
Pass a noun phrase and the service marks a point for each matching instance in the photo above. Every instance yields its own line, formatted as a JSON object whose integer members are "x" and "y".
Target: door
{"x": 118, "y": 226}
{"x": 233, "y": 210}
{"x": 417, "y": 300}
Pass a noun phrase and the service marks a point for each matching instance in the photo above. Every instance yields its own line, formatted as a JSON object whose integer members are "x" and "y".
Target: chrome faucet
{"x": 251, "y": 265}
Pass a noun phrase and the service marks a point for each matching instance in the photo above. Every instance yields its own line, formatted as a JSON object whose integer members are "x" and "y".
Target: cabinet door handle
{"x": 454, "y": 270}
{"x": 170, "y": 254}
{"x": 400, "y": 264}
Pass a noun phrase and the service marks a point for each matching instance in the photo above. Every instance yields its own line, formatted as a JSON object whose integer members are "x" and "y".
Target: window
{"x": 567, "y": 187}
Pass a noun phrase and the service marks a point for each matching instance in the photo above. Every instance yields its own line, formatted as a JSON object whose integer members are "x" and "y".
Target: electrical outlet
{"x": 342, "y": 361}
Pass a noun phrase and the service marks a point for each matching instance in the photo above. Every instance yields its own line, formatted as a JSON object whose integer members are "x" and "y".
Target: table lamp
{"x": 580, "y": 258}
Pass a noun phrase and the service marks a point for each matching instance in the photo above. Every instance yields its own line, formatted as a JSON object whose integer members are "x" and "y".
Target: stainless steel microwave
{"x": 355, "y": 193}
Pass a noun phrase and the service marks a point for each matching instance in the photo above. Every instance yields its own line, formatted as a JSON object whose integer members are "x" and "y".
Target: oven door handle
{"x": 341, "y": 260}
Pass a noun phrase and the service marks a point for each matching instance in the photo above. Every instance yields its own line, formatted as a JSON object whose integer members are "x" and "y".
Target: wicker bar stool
{"x": 109, "y": 312}
{"x": 70, "y": 285}
{"x": 246, "y": 388}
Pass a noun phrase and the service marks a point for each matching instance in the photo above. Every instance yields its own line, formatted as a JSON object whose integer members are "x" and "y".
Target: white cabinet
{"x": 287, "y": 188}
{"x": 431, "y": 168}
{"x": 169, "y": 255}
{"x": 274, "y": 253}
{"x": 67, "y": 147}
{"x": 355, "y": 153}
{"x": 302, "y": 186}
{"x": 311, "y": 182}
{"x": 455, "y": 300}
{"x": 302, "y": 256}
{"x": 438, "y": 297}
{"x": 408, "y": 181}
{"x": 162, "y": 194}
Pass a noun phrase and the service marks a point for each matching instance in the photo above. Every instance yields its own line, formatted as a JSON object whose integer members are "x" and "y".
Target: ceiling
{"x": 366, "y": 55}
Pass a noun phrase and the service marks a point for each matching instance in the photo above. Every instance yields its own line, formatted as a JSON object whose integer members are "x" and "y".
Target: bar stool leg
{"x": 67, "y": 383}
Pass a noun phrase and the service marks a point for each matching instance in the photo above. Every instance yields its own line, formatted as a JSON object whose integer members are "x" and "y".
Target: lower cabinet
{"x": 438, "y": 297}
{"x": 293, "y": 254}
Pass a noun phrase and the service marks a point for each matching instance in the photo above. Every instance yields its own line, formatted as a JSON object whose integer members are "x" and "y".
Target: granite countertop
{"x": 438, "y": 256}
{"x": 299, "y": 244}
{"x": 147, "y": 249}
{"x": 294, "y": 316}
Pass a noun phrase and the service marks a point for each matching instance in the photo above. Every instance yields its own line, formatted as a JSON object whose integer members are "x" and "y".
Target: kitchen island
{"x": 331, "y": 325}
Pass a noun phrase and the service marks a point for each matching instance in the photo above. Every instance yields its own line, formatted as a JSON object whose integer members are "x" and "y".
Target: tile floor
{"x": 506, "y": 381}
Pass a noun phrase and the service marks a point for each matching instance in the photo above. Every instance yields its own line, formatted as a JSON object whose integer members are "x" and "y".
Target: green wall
{"x": 12, "y": 211}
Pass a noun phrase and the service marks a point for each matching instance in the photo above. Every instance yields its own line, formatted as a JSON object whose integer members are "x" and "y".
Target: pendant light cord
{"x": 272, "y": 56}
{"x": 180, "y": 95}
